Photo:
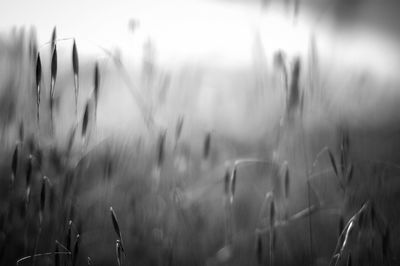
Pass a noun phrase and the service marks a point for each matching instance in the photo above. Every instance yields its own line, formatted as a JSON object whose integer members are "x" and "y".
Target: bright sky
{"x": 189, "y": 29}
{"x": 184, "y": 28}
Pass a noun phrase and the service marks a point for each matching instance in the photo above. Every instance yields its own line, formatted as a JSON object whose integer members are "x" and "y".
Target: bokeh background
{"x": 190, "y": 90}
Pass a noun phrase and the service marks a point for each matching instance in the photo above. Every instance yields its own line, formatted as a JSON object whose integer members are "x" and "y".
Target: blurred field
{"x": 202, "y": 164}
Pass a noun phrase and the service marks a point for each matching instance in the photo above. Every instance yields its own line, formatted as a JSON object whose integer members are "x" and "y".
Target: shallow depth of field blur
{"x": 197, "y": 132}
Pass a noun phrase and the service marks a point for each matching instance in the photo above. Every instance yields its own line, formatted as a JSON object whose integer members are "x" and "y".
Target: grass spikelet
{"x": 21, "y": 131}
{"x": 178, "y": 128}
{"x": 42, "y": 200}
{"x": 161, "y": 148}
{"x": 38, "y": 80}
{"x": 85, "y": 119}
{"x": 207, "y": 146}
{"x": 69, "y": 235}
{"x": 271, "y": 231}
{"x": 96, "y": 82}
{"x": 116, "y": 227}
{"x": 76, "y": 250}
{"x": 28, "y": 179}
{"x": 53, "y": 79}
{"x": 333, "y": 163}
{"x": 344, "y": 149}
{"x": 286, "y": 180}
{"x": 272, "y": 213}
{"x": 349, "y": 174}
{"x": 14, "y": 165}
{"x": 53, "y": 39}
{"x": 233, "y": 183}
{"x": 226, "y": 182}
{"x": 294, "y": 90}
{"x": 53, "y": 72}
{"x": 115, "y": 223}
{"x": 71, "y": 138}
{"x": 75, "y": 68}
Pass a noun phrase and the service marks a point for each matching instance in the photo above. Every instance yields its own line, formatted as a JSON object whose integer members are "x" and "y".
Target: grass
{"x": 182, "y": 195}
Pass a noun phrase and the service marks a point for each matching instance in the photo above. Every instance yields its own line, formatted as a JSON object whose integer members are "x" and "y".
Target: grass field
{"x": 101, "y": 165}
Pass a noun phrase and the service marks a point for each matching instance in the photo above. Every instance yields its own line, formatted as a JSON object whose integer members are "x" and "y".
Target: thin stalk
{"x": 308, "y": 186}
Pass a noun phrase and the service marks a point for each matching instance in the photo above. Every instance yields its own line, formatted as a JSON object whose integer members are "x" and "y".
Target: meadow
{"x": 291, "y": 172}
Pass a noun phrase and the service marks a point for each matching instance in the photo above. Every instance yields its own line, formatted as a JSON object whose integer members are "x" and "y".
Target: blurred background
{"x": 175, "y": 94}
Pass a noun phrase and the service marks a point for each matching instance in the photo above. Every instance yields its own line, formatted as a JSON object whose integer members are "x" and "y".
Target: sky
{"x": 224, "y": 31}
